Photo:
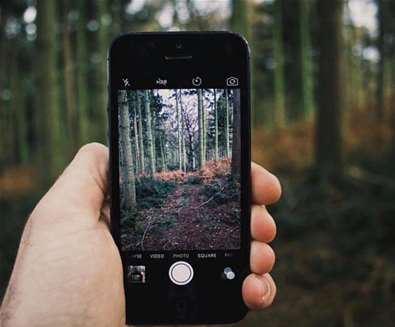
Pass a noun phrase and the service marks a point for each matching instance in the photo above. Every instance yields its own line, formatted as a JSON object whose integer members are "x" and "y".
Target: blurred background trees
{"x": 323, "y": 75}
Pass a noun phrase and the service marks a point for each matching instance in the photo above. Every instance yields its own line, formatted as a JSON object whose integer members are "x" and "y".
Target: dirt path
{"x": 188, "y": 220}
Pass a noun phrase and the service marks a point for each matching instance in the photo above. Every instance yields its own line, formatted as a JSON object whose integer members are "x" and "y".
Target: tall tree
{"x": 150, "y": 140}
{"x": 179, "y": 143}
{"x": 278, "y": 55}
{"x": 140, "y": 128}
{"x": 380, "y": 89}
{"x": 183, "y": 146}
{"x": 240, "y": 18}
{"x": 4, "y": 123}
{"x": 204, "y": 126}
{"x": 191, "y": 140}
{"x": 240, "y": 22}
{"x": 103, "y": 39}
{"x": 328, "y": 142}
{"x": 163, "y": 151}
{"x": 216, "y": 125}
{"x": 135, "y": 132}
{"x": 128, "y": 176}
{"x": 201, "y": 123}
{"x": 236, "y": 140}
{"x": 69, "y": 81}
{"x": 227, "y": 147}
{"x": 82, "y": 81}
{"x": 18, "y": 108}
{"x": 305, "y": 67}
{"x": 154, "y": 122}
{"x": 49, "y": 124}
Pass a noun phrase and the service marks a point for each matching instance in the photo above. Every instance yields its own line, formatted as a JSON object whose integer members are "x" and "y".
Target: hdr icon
{"x": 162, "y": 82}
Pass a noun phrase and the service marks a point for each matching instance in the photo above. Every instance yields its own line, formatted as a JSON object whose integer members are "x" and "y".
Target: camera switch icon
{"x": 228, "y": 273}
{"x": 232, "y": 81}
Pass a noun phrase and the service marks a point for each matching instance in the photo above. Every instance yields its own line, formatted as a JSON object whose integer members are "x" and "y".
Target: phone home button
{"x": 181, "y": 273}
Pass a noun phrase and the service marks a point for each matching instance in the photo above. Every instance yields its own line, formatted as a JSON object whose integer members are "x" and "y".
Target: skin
{"x": 68, "y": 270}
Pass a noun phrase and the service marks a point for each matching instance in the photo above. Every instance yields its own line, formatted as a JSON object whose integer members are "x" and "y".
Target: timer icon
{"x": 197, "y": 81}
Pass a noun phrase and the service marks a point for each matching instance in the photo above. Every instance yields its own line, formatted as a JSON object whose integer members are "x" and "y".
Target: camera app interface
{"x": 179, "y": 170}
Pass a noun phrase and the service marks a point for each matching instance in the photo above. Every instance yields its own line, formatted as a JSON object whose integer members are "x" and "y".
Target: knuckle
{"x": 94, "y": 149}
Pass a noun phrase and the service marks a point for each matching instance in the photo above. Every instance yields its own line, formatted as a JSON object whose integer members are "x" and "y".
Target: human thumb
{"x": 82, "y": 186}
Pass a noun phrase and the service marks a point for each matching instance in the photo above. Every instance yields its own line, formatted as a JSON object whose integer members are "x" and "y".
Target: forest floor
{"x": 199, "y": 212}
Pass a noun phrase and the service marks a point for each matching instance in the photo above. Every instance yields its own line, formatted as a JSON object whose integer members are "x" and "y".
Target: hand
{"x": 68, "y": 270}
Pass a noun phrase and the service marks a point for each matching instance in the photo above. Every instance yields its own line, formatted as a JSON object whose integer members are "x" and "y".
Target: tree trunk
{"x": 241, "y": 21}
{"x": 151, "y": 152}
{"x": 191, "y": 145}
{"x": 69, "y": 81}
{"x": 240, "y": 18}
{"x": 183, "y": 147}
{"x": 179, "y": 145}
{"x": 51, "y": 138}
{"x": 4, "y": 124}
{"x": 129, "y": 182}
{"x": 136, "y": 135}
{"x": 162, "y": 153}
{"x": 305, "y": 70}
{"x": 18, "y": 131}
{"x": 103, "y": 39}
{"x": 216, "y": 126}
{"x": 193, "y": 152}
{"x": 328, "y": 147}
{"x": 227, "y": 145}
{"x": 82, "y": 81}
{"x": 204, "y": 125}
{"x": 153, "y": 126}
{"x": 380, "y": 93}
{"x": 236, "y": 141}
{"x": 202, "y": 154}
{"x": 279, "y": 99}
{"x": 140, "y": 128}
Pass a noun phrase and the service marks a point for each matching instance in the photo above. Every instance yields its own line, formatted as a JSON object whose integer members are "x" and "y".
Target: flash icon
{"x": 125, "y": 82}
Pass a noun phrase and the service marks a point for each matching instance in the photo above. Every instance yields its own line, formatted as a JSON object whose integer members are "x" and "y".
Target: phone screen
{"x": 179, "y": 169}
{"x": 179, "y": 189}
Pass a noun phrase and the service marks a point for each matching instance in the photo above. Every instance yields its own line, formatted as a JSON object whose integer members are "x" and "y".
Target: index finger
{"x": 266, "y": 188}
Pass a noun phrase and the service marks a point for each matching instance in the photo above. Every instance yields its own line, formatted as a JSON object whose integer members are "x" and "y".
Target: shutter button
{"x": 181, "y": 273}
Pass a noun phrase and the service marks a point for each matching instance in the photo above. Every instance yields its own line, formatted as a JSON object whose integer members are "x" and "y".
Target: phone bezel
{"x": 116, "y": 63}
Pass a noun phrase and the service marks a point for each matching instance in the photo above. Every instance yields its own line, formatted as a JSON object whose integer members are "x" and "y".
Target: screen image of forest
{"x": 179, "y": 169}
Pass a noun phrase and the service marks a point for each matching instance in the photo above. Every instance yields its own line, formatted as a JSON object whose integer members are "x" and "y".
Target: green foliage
{"x": 336, "y": 238}
{"x": 172, "y": 166}
{"x": 151, "y": 192}
{"x": 193, "y": 179}
{"x": 219, "y": 191}
{"x": 355, "y": 215}
{"x": 128, "y": 218}
{"x": 164, "y": 224}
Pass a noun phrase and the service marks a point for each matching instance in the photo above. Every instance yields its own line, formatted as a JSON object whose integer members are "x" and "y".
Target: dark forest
{"x": 323, "y": 77}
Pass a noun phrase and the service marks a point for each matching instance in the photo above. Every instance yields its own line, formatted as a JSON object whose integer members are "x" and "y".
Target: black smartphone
{"x": 179, "y": 118}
